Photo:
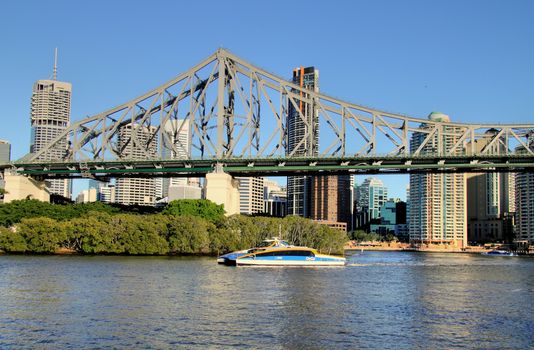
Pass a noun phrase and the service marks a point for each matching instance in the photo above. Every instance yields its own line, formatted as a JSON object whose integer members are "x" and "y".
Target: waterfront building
{"x": 250, "y": 195}
{"x": 298, "y": 187}
{"x": 140, "y": 191}
{"x": 524, "y": 203}
{"x": 490, "y": 197}
{"x": 438, "y": 212}
{"x": 50, "y": 116}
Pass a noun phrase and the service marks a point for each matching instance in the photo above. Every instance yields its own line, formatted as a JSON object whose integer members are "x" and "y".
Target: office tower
{"x": 392, "y": 219}
{"x": 489, "y": 208}
{"x": 298, "y": 187}
{"x": 524, "y": 203}
{"x": 370, "y": 196}
{"x": 176, "y": 138}
{"x": 50, "y": 116}
{"x": 136, "y": 142}
{"x": 250, "y": 195}
{"x": 438, "y": 210}
{"x": 274, "y": 199}
{"x": 330, "y": 198}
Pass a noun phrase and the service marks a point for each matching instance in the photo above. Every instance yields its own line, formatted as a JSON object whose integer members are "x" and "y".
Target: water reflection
{"x": 381, "y": 300}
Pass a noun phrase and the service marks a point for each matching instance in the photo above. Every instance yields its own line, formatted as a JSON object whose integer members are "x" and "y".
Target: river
{"x": 381, "y": 300}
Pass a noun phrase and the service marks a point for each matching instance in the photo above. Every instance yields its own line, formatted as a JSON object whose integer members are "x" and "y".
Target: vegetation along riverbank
{"x": 182, "y": 227}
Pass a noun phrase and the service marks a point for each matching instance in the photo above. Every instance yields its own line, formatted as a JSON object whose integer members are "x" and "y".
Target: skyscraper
{"x": 370, "y": 196}
{"x": 490, "y": 197}
{"x": 438, "y": 212}
{"x": 524, "y": 203}
{"x": 132, "y": 139}
{"x": 50, "y": 116}
{"x": 298, "y": 187}
{"x": 330, "y": 198}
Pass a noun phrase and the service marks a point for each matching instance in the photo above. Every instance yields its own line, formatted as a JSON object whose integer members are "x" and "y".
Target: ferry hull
{"x": 251, "y": 262}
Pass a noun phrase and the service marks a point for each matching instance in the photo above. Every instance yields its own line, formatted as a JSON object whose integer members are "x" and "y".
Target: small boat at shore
{"x": 275, "y": 252}
{"x": 498, "y": 252}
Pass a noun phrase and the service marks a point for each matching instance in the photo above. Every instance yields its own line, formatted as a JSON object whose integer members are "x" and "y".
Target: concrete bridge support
{"x": 21, "y": 187}
{"x": 221, "y": 188}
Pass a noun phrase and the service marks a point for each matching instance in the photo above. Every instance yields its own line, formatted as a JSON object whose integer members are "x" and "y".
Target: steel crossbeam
{"x": 236, "y": 110}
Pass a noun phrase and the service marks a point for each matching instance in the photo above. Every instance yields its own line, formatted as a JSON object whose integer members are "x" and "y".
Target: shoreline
{"x": 429, "y": 248}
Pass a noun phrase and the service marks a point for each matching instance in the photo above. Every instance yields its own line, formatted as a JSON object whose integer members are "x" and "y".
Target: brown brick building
{"x": 330, "y": 198}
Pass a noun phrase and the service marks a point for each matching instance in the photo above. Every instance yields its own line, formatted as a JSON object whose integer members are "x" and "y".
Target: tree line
{"x": 182, "y": 227}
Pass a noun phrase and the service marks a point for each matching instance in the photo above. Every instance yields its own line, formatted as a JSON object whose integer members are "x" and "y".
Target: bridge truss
{"x": 235, "y": 114}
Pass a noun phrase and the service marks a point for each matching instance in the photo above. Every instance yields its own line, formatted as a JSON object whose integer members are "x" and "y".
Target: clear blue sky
{"x": 473, "y": 60}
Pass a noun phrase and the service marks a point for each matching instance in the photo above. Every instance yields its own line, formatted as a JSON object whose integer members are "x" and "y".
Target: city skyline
{"x": 435, "y": 67}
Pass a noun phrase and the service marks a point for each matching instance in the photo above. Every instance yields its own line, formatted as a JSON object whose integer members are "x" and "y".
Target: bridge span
{"x": 235, "y": 114}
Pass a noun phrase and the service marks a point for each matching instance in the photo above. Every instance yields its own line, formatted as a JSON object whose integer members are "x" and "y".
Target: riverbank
{"x": 435, "y": 248}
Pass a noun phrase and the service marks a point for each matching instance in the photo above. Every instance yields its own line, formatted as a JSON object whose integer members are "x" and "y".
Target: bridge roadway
{"x": 275, "y": 166}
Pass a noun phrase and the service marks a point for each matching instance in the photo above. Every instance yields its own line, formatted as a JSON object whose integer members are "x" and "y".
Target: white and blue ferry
{"x": 275, "y": 252}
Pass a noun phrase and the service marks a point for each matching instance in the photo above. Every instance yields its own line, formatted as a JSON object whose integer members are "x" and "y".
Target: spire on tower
{"x": 55, "y": 64}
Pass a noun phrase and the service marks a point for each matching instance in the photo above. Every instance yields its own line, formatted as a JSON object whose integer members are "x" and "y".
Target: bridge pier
{"x": 222, "y": 188}
{"x": 21, "y": 187}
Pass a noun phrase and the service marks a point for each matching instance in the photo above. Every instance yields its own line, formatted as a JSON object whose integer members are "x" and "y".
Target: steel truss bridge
{"x": 236, "y": 115}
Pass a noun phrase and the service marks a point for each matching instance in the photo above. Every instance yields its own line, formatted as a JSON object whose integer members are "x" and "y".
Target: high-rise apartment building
{"x": 438, "y": 212}
{"x": 298, "y": 187}
{"x": 50, "y": 116}
{"x": 132, "y": 139}
{"x": 330, "y": 198}
{"x": 490, "y": 198}
{"x": 524, "y": 203}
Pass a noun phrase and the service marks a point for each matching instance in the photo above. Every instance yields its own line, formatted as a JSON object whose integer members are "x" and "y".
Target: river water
{"x": 381, "y": 300}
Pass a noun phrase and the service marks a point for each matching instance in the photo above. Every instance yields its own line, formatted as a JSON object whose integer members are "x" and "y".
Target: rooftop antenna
{"x": 55, "y": 64}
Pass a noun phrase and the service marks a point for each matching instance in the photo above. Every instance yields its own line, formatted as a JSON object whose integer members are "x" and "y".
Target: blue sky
{"x": 473, "y": 60}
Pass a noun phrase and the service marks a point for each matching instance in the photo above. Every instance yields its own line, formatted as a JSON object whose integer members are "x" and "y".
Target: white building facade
{"x": 132, "y": 139}
{"x": 50, "y": 116}
{"x": 438, "y": 210}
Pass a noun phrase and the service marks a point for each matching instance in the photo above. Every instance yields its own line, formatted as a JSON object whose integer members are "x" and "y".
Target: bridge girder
{"x": 219, "y": 102}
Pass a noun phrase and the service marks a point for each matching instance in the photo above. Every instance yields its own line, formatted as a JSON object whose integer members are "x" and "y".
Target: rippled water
{"x": 381, "y": 300}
